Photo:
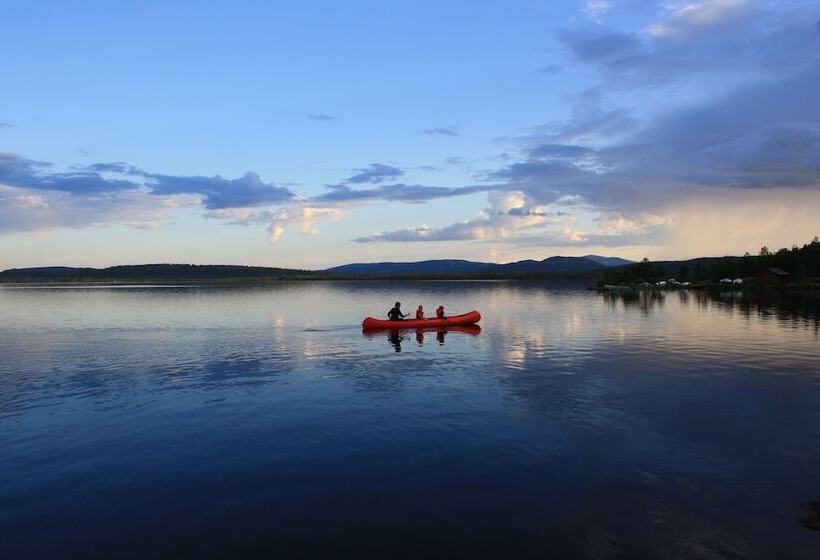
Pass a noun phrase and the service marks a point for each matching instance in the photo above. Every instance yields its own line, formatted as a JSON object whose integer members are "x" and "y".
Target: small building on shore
{"x": 772, "y": 277}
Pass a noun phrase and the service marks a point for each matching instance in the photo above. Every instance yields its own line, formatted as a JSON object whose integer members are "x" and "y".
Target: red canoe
{"x": 470, "y": 318}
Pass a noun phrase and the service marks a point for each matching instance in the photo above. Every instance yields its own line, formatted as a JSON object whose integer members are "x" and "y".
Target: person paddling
{"x": 395, "y": 314}
{"x": 440, "y": 312}
{"x": 420, "y": 312}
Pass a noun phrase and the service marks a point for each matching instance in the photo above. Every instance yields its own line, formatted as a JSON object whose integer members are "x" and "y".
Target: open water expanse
{"x": 199, "y": 422}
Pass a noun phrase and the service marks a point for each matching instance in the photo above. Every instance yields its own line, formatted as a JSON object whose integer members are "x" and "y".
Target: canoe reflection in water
{"x": 396, "y": 336}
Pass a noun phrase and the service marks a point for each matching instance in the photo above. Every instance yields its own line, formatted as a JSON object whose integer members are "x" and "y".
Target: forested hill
{"x": 802, "y": 263}
{"x": 551, "y": 265}
{"x": 151, "y": 273}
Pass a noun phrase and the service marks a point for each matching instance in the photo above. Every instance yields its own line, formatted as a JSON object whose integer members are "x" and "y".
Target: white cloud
{"x": 31, "y": 210}
{"x": 686, "y": 18}
{"x": 14, "y": 198}
{"x": 508, "y": 214}
{"x": 597, "y": 8}
{"x": 300, "y": 216}
{"x": 617, "y": 223}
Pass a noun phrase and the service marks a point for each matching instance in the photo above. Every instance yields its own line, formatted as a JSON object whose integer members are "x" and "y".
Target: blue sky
{"x": 317, "y": 133}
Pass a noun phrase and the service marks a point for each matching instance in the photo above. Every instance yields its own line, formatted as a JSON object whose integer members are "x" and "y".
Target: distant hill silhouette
{"x": 443, "y": 266}
{"x": 608, "y": 261}
{"x": 452, "y": 266}
{"x": 800, "y": 262}
{"x": 149, "y": 273}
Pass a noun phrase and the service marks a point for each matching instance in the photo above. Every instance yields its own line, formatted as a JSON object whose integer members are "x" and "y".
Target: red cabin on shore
{"x": 773, "y": 277}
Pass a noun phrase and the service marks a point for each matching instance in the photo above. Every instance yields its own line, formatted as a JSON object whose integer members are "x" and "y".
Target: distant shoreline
{"x": 587, "y": 282}
{"x": 308, "y": 278}
{"x": 795, "y": 268}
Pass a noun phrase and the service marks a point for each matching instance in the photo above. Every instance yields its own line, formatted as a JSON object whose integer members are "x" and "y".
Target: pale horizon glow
{"x": 272, "y": 134}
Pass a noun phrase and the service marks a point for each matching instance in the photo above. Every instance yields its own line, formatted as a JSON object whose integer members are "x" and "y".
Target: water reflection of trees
{"x": 794, "y": 308}
{"x": 645, "y": 300}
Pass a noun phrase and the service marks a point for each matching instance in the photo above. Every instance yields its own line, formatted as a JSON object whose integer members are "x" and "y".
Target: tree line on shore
{"x": 801, "y": 263}
{"x": 152, "y": 272}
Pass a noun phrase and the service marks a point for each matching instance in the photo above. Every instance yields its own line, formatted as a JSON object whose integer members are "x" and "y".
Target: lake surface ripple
{"x": 171, "y": 422}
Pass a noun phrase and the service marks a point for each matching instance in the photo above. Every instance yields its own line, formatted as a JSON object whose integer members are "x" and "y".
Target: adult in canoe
{"x": 395, "y": 314}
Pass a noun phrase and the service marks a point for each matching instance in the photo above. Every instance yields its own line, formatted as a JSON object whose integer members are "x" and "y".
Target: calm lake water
{"x": 147, "y": 422}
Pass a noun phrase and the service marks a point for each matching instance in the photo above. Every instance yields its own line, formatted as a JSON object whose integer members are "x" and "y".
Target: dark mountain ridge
{"x": 440, "y": 266}
{"x": 206, "y": 273}
{"x": 148, "y": 273}
{"x": 608, "y": 261}
{"x": 455, "y": 266}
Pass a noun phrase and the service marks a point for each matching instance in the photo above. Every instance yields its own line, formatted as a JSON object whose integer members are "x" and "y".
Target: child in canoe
{"x": 420, "y": 312}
